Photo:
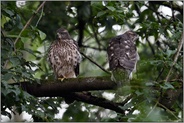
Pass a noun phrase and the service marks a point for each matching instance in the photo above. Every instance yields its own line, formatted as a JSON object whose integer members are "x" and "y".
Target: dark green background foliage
{"x": 25, "y": 60}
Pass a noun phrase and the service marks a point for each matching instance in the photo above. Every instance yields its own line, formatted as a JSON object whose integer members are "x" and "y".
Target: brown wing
{"x": 77, "y": 68}
{"x": 121, "y": 53}
{"x": 70, "y": 58}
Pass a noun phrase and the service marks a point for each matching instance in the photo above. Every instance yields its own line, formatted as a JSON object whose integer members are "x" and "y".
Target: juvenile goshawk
{"x": 64, "y": 55}
{"x": 123, "y": 55}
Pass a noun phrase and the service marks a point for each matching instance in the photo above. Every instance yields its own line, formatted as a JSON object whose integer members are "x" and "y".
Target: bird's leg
{"x": 61, "y": 79}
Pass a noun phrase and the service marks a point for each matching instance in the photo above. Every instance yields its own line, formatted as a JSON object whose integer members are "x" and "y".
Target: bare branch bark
{"x": 56, "y": 88}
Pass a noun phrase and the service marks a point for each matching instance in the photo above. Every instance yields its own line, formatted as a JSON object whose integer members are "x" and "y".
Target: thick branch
{"x": 54, "y": 89}
{"x": 98, "y": 101}
{"x": 69, "y": 88}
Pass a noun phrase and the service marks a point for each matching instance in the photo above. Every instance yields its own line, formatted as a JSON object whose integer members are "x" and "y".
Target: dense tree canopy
{"x": 154, "y": 94}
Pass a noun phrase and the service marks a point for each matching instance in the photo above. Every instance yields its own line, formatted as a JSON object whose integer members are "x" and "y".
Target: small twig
{"x": 29, "y": 21}
{"x": 95, "y": 63}
{"x": 160, "y": 73}
{"x": 137, "y": 8}
{"x": 149, "y": 43}
{"x": 96, "y": 37}
{"x": 153, "y": 107}
{"x": 167, "y": 110}
{"x": 176, "y": 57}
{"x": 95, "y": 48}
{"x": 40, "y": 17}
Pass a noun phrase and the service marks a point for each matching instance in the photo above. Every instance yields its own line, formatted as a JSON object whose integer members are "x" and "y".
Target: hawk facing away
{"x": 122, "y": 55}
{"x": 64, "y": 55}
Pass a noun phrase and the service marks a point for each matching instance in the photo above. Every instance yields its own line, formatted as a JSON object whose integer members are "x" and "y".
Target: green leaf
{"x": 167, "y": 85}
{"x": 29, "y": 51}
{"x": 24, "y": 74}
{"x": 149, "y": 84}
{"x": 170, "y": 52}
{"x": 18, "y": 21}
{"x": 4, "y": 85}
{"x": 19, "y": 45}
{"x": 7, "y": 76}
{"x": 138, "y": 93}
{"x": 42, "y": 35}
{"x": 24, "y": 39}
{"x": 10, "y": 13}
{"x": 15, "y": 61}
{"x": 111, "y": 8}
{"x": 101, "y": 13}
{"x": 119, "y": 11}
{"x": 16, "y": 92}
{"x": 144, "y": 14}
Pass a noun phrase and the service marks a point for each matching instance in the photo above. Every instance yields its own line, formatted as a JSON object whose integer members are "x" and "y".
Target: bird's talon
{"x": 61, "y": 79}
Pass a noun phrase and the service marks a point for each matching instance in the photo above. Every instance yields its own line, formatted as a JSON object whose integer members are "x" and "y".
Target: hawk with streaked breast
{"x": 123, "y": 55}
{"x": 64, "y": 55}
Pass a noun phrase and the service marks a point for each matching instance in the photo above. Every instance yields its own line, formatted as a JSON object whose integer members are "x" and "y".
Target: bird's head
{"x": 132, "y": 35}
{"x": 62, "y": 33}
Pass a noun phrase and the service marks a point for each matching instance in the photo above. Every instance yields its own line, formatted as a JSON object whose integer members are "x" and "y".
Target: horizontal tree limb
{"x": 73, "y": 88}
{"x": 56, "y": 88}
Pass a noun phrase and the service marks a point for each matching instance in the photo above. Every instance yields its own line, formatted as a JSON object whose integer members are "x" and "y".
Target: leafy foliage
{"x": 92, "y": 24}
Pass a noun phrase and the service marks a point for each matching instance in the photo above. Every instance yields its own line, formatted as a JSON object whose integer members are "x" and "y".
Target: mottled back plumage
{"x": 122, "y": 52}
{"x": 64, "y": 55}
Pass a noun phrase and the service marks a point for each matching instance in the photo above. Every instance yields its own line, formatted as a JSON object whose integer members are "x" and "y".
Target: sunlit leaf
{"x": 42, "y": 35}
{"x": 25, "y": 39}
{"x": 167, "y": 85}
{"x": 170, "y": 52}
{"x": 149, "y": 84}
{"x": 111, "y": 8}
{"x": 30, "y": 51}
